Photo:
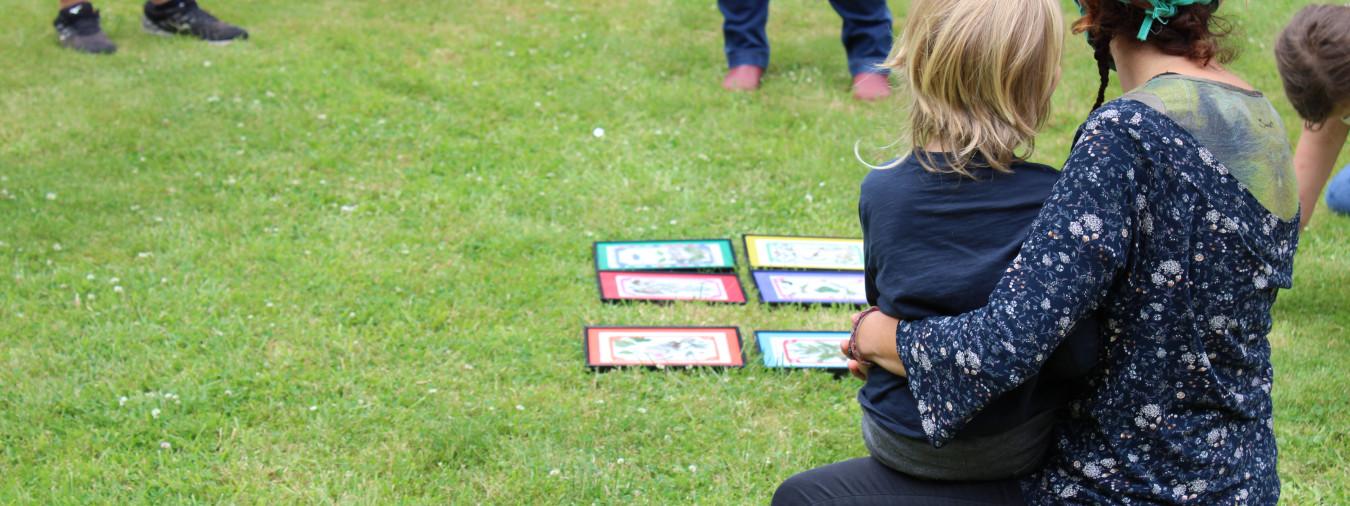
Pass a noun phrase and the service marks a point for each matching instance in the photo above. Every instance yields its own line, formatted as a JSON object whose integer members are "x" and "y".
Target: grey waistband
{"x": 1011, "y": 454}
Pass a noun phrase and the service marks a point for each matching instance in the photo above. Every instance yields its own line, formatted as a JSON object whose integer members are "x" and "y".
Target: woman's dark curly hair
{"x": 1194, "y": 33}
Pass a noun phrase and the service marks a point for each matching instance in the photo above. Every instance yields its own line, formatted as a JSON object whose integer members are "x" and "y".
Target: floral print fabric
{"x": 1147, "y": 228}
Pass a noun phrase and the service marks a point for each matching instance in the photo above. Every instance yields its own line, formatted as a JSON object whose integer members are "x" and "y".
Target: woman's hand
{"x": 875, "y": 344}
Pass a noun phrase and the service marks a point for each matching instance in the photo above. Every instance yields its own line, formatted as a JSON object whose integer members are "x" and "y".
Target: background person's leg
{"x": 743, "y": 33}
{"x": 866, "y": 481}
{"x": 746, "y": 44}
{"x": 866, "y": 33}
{"x": 867, "y": 41}
{"x": 1338, "y": 191}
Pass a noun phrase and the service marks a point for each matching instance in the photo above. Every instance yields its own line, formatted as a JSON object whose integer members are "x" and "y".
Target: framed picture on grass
{"x": 806, "y": 287}
{"x": 699, "y": 254}
{"x": 793, "y": 252}
{"x": 806, "y": 349}
{"x": 669, "y": 286}
{"x": 608, "y": 347}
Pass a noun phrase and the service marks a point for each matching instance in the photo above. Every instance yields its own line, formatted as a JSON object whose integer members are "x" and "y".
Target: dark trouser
{"x": 866, "y": 481}
{"x": 866, "y": 32}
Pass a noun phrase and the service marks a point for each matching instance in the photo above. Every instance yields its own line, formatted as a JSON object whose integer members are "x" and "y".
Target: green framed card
{"x": 673, "y": 255}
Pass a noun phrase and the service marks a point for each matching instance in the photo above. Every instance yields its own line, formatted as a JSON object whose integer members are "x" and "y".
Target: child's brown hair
{"x": 1313, "y": 55}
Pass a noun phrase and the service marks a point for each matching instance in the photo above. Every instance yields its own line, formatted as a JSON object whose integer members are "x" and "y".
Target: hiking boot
{"x": 184, "y": 17}
{"x": 77, "y": 28}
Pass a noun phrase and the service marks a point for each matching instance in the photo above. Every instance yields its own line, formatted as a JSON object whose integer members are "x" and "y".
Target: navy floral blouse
{"x": 1182, "y": 261}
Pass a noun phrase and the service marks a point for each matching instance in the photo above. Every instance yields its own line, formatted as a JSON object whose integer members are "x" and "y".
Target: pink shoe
{"x": 871, "y": 86}
{"x": 743, "y": 78}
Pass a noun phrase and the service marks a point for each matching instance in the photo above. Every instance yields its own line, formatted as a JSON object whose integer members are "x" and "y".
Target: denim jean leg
{"x": 866, "y": 33}
{"x": 743, "y": 24}
{"x": 1338, "y": 192}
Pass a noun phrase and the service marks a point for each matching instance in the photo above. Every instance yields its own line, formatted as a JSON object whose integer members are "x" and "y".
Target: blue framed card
{"x": 808, "y": 287}
{"x": 802, "y": 349}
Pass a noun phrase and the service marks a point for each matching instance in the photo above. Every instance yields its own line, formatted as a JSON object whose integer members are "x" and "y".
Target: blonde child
{"x": 941, "y": 225}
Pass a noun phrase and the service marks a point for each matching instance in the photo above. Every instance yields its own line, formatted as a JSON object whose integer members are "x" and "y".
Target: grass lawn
{"x": 348, "y": 261}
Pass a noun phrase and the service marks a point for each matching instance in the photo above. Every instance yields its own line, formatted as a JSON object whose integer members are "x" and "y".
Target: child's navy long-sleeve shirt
{"x": 936, "y": 244}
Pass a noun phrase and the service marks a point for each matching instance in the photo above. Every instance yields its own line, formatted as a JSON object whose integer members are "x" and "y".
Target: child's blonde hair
{"x": 980, "y": 74}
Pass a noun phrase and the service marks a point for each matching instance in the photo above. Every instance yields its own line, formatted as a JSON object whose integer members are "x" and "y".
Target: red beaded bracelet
{"x": 853, "y": 337}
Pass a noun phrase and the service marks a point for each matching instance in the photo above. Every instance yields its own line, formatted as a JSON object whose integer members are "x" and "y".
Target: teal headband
{"x": 1161, "y": 11}
{"x": 1158, "y": 10}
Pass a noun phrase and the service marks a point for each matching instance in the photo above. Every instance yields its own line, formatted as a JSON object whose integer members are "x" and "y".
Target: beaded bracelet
{"x": 853, "y": 336}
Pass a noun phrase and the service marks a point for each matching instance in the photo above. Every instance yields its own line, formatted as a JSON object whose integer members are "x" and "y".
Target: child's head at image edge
{"x": 980, "y": 76}
{"x": 1313, "y": 54}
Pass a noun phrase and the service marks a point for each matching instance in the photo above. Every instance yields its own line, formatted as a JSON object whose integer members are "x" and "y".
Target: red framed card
{"x": 668, "y": 286}
{"x": 608, "y": 347}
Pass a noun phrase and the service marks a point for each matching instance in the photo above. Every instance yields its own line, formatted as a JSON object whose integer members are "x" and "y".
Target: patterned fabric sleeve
{"x": 1075, "y": 249}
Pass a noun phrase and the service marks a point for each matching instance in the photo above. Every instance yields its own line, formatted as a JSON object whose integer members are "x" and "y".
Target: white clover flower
{"x": 51, "y": 195}
{"x": 598, "y": 132}
{"x": 154, "y": 413}
{"x": 122, "y": 401}
{"x": 164, "y": 445}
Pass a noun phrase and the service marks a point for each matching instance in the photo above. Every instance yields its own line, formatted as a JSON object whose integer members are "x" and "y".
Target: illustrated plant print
{"x": 665, "y": 256}
{"x": 639, "y": 286}
{"x": 818, "y": 288}
{"x": 819, "y": 352}
{"x": 657, "y": 349}
{"x": 813, "y": 254}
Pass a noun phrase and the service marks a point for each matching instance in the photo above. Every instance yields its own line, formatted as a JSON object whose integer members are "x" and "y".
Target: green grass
{"x": 348, "y": 261}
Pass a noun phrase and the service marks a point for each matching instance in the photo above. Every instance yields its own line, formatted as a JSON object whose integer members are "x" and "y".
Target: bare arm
{"x": 1313, "y": 161}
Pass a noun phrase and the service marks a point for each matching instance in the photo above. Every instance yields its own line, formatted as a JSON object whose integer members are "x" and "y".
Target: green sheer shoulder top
{"x": 1239, "y": 127}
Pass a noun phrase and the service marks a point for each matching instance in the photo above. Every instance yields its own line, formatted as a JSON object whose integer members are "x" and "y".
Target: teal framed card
{"x": 674, "y": 255}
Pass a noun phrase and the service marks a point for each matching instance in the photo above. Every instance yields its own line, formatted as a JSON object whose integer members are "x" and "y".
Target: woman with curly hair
{"x": 1175, "y": 222}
